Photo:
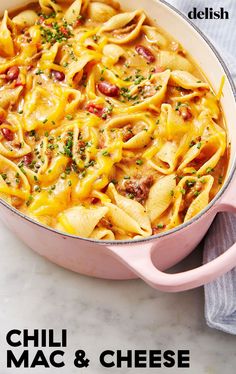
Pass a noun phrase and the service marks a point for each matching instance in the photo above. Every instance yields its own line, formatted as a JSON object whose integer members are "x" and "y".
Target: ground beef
{"x": 139, "y": 188}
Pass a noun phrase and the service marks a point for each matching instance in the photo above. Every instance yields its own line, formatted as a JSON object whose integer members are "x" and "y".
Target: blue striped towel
{"x": 220, "y": 295}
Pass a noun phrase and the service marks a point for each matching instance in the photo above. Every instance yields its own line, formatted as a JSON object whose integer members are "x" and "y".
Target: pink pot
{"x": 148, "y": 258}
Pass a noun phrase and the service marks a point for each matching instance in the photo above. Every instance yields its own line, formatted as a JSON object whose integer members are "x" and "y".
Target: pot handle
{"x": 139, "y": 260}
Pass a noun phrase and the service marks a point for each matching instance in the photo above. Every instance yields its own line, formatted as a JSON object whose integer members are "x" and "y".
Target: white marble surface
{"x": 102, "y": 314}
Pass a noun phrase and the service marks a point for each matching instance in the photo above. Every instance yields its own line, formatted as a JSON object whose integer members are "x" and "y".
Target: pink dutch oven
{"x": 148, "y": 258}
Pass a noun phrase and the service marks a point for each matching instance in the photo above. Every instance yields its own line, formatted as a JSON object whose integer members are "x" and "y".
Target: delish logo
{"x": 208, "y": 13}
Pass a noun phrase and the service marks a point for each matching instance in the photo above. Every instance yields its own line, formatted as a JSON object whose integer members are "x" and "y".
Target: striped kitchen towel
{"x": 220, "y": 295}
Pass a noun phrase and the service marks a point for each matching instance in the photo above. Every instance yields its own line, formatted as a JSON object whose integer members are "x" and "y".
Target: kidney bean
{"x": 58, "y": 75}
{"x": 108, "y": 89}
{"x": 27, "y": 159}
{"x": 13, "y": 73}
{"x": 8, "y": 134}
{"x": 145, "y": 52}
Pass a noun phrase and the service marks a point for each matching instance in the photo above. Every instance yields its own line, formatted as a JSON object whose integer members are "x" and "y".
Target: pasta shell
{"x": 81, "y": 220}
{"x": 112, "y": 53}
{"x": 138, "y": 141}
{"x": 73, "y": 99}
{"x": 114, "y": 4}
{"x": 117, "y": 30}
{"x": 100, "y": 12}
{"x": 26, "y": 18}
{"x": 122, "y": 220}
{"x": 6, "y": 42}
{"x": 102, "y": 234}
{"x": 9, "y": 96}
{"x": 192, "y": 153}
{"x": 53, "y": 171}
{"x": 160, "y": 196}
{"x": 48, "y": 6}
{"x": 134, "y": 210}
{"x": 171, "y": 124}
{"x": 77, "y": 8}
{"x": 76, "y": 68}
{"x": 201, "y": 201}
{"x": 48, "y": 58}
{"x": 119, "y": 21}
{"x": 167, "y": 155}
{"x": 35, "y": 110}
{"x": 153, "y": 36}
{"x": 173, "y": 61}
{"x": 186, "y": 80}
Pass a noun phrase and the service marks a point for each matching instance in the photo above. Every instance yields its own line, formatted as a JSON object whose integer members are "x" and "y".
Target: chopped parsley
{"x": 29, "y": 201}
{"x": 39, "y": 72}
{"x": 56, "y": 33}
{"x": 209, "y": 170}
{"x": 69, "y": 117}
{"x": 63, "y": 176}
{"x": 105, "y": 153}
{"x": 199, "y": 145}
{"x": 90, "y": 163}
{"x": 139, "y": 79}
{"x": 4, "y": 176}
{"x": 130, "y": 196}
{"x": 32, "y": 133}
{"x": 68, "y": 146}
{"x": 220, "y": 179}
